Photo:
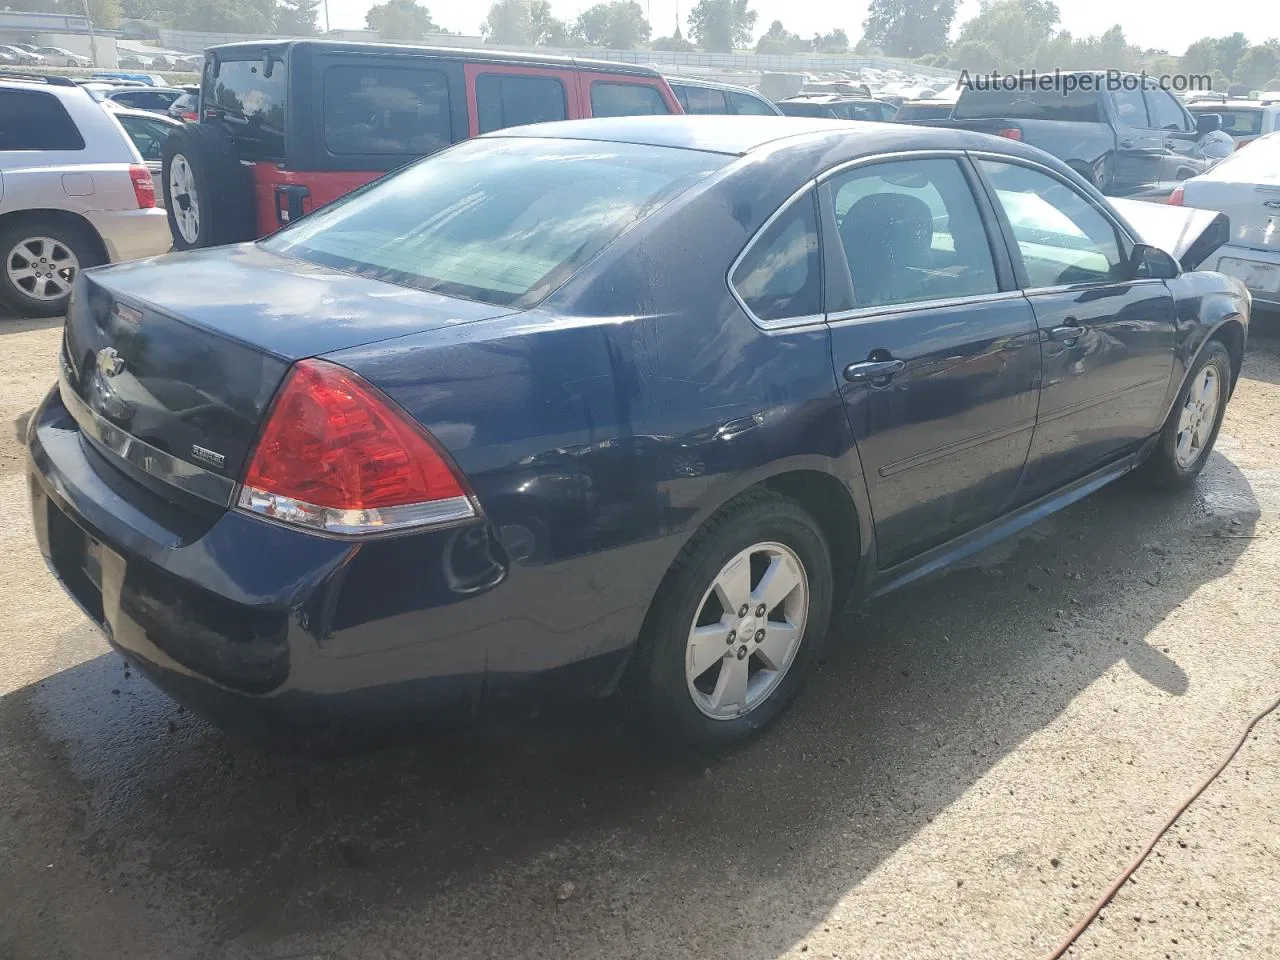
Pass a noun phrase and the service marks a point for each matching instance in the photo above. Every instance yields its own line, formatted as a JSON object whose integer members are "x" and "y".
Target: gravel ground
{"x": 962, "y": 778}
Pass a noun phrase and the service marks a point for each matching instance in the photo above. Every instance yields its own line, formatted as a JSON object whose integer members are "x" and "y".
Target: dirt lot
{"x": 962, "y": 779}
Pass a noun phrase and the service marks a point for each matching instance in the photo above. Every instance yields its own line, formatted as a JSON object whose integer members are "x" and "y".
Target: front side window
{"x": 385, "y": 110}
{"x": 781, "y": 275}
{"x": 625, "y": 100}
{"x": 501, "y": 220}
{"x": 911, "y": 231}
{"x": 33, "y": 120}
{"x": 512, "y": 99}
{"x": 1062, "y": 237}
{"x": 250, "y": 103}
{"x": 1164, "y": 110}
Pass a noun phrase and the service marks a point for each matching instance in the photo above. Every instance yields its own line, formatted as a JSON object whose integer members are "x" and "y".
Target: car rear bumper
{"x": 253, "y": 624}
{"x": 1258, "y": 270}
{"x": 131, "y": 234}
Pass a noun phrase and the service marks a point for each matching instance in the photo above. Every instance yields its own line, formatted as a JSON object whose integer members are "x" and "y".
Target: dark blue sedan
{"x": 621, "y": 403}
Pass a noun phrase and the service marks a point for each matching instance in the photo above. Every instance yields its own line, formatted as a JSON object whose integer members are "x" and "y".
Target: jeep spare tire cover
{"x": 208, "y": 193}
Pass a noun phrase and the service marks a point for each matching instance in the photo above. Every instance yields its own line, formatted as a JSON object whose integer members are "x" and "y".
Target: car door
{"x": 935, "y": 350}
{"x": 1107, "y": 339}
{"x": 1139, "y": 160}
{"x": 1182, "y": 148}
{"x": 502, "y": 95}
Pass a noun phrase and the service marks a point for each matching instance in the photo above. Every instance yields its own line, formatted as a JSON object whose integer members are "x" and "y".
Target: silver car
{"x": 74, "y": 193}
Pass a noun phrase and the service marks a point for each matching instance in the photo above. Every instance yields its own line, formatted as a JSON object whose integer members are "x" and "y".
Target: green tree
{"x": 909, "y": 28}
{"x": 223, "y": 16}
{"x": 401, "y": 20}
{"x": 675, "y": 43}
{"x": 545, "y": 29}
{"x": 508, "y": 21}
{"x": 721, "y": 25}
{"x": 296, "y": 18}
{"x": 837, "y": 41}
{"x": 1201, "y": 57}
{"x": 777, "y": 40}
{"x": 619, "y": 25}
{"x": 976, "y": 56}
{"x": 1015, "y": 29}
{"x": 1256, "y": 66}
{"x": 1230, "y": 50}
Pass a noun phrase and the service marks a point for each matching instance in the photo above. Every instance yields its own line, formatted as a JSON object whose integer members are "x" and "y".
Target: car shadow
{"x": 919, "y": 696}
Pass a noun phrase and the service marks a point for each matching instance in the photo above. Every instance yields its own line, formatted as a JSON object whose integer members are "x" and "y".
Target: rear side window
{"x": 741, "y": 105}
{"x": 251, "y": 104}
{"x": 1080, "y": 106}
{"x": 702, "y": 100}
{"x": 510, "y": 99}
{"x": 385, "y": 110}
{"x": 147, "y": 135}
{"x": 501, "y": 220}
{"x": 32, "y": 120}
{"x": 781, "y": 275}
{"x": 625, "y": 100}
{"x": 801, "y": 109}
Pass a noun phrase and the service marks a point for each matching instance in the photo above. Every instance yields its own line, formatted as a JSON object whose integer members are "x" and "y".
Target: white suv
{"x": 74, "y": 193}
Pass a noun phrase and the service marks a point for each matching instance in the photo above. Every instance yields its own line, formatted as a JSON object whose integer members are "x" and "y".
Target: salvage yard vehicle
{"x": 285, "y": 127}
{"x": 1243, "y": 120}
{"x": 837, "y": 107}
{"x": 1138, "y": 142}
{"x": 631, "y": 403}
{"x": 1246, "y": 187}
{"x": 700, "y": 96}
{"x": 73, "y": 193}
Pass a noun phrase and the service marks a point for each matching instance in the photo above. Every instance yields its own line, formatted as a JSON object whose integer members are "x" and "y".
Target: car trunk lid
{"x": 170, "y": 365}
{"x": 1246, "y": 187}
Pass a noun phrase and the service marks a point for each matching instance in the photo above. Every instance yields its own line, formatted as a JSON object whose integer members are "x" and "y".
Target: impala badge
{"x": 205, "y": 455}
{"x": 1271, "y": 204}
{"x": 110, "y": 362}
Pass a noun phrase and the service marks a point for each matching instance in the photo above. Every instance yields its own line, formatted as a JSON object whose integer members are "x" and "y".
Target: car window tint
{"x": 702, "y": 100}
{"x": 1076, "y": 105}
{"x": 1239, "y": 123}
{"x": 1163, "y": 110}
{"x": 502, "y": 220}
{"x": 860, "y": 111}
{"x": 147, "y": 135}
{"x": 799, "y": 108}
{"x": 32, "y": 120}
{"x": 625, "y": 100}
{"x": 385, "y": 110}
{"x": 1131, "y": 108}
{"x": 911, "y": 231}
{"x": 509, "y": 99}
{"x": 781, "y": 275}
{"x": 127, "y": 99}
{"x": 742, "y": 105}
{"x": 250, "y": 103}
{"x": 1062, "y": 237}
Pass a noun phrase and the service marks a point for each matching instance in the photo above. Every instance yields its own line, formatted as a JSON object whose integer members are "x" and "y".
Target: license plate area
{"x": 1260, "y": 277}
{"x": 77, "y": 559}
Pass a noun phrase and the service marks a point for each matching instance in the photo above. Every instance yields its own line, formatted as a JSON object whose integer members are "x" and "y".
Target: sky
{"x": 1171, "y": 25}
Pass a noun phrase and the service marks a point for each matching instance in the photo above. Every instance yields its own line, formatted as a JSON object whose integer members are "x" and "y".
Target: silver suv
{"x": 73, "y": 193}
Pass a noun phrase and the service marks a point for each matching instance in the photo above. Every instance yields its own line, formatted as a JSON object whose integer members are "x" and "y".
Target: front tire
{"x": 42, "y": 259}
{"x": 1192, "y": 427}
{"x": 737, "y": 624}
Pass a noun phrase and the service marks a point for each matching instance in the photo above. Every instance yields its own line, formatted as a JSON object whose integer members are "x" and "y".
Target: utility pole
{"x": 326, "y": 16}
{"x": 93, "y": 40}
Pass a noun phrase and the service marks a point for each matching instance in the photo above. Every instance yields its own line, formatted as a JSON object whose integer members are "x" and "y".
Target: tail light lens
{"x": 1175, "y": 198}
{"x": 339, "y": 457}
{"x": 1010, "y": 133}
{"x": 190, "y": 116}
{"x": 144, "y": 189}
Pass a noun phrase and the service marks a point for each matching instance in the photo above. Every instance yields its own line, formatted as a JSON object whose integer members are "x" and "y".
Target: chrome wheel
{"x": 42, "y": 268}
{"x": 747, "y": 631}
{"x": 1199, "y": 414}
{"x": 184, "y": 199}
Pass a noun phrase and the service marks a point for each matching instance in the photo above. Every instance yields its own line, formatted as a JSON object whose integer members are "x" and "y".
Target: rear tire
{"x": 680, "y": 678}
{"x": 1189, "y": 433}
{"x": 208, "y": 195}
{"x": 43, "y": 256}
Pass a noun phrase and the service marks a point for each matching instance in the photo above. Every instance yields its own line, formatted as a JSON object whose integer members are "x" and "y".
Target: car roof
{"x": 252, "y": 50}
{"x": 836, "y": 140}
{"x": 144, "y": 115}
{"x": 824, "y": 98}
{"x": 143, "y": 88}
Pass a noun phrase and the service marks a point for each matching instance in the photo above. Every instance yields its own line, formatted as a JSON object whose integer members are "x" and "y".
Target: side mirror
{"x": 1208, "y": 123}
{"x": 1151, "y": 263}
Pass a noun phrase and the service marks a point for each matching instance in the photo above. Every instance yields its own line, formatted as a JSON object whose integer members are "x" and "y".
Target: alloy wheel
{"x": 43, "y": 268}
{"x": 184, "y": 198}
{"x": 1199, "y": 414}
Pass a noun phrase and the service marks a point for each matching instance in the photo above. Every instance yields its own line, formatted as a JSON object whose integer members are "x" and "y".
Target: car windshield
{"x": 1237, "y": 122}
{"x": 500, "y": 220}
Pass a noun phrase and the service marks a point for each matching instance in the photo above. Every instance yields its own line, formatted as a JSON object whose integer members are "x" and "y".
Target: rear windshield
{"x": 913, "y": 111}
{"x": 250, "y": 103}
{"x": 501, "y": 220}
{"x": 1239, "y": 123}
{"x": 1080, "y": 106}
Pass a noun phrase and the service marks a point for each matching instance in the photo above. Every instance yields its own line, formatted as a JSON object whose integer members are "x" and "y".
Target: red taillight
{"x": 338, "y": 456}
{"x": 1009, "y": 133}
{"x": 144, "y": 190}
{"x": 191, "y": 116}
{"x": 1175, "y": 198}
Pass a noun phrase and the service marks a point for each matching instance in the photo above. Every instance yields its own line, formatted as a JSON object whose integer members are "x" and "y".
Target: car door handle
{"x": 873, "y": 370}
{"x": 1127, "y": 144}
{"x": 1066, "y": 334}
